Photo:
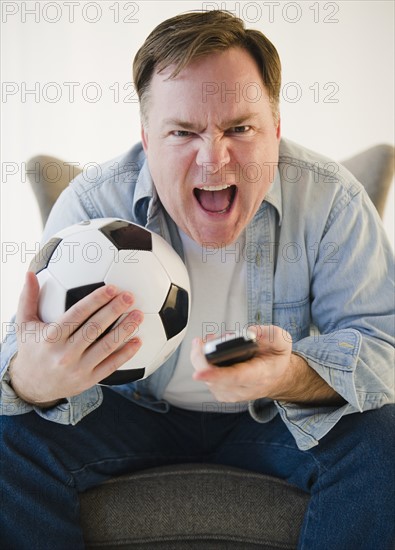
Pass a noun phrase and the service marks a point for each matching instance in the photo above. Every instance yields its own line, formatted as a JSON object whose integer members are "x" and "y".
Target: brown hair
{"x": 185, "y": 37}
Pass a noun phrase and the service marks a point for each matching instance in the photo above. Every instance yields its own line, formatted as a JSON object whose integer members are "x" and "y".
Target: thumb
{"x": 28, "y": 301}
{"x": 271, "y": 338}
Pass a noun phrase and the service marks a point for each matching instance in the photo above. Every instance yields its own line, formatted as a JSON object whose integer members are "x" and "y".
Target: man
{"x": 272, "y": 240}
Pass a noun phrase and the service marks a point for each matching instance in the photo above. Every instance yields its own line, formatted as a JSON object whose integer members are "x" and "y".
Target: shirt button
{"x": 258, "y": 317}
{"x": 136, "y": 395}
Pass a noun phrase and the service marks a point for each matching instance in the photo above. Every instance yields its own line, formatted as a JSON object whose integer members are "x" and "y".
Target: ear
{"x": 278, "y": 129}
{"x": 144, "y": 138}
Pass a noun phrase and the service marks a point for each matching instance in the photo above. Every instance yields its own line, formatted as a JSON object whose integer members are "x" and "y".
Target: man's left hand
{"x": 274, "y": 372}
{"x": 268, "y": 374}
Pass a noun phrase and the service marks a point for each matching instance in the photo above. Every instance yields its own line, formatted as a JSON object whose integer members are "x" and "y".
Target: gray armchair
{"x": 198, "y": 506}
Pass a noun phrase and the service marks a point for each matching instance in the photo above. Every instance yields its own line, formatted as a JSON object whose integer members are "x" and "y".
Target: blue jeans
{"x": 350, "y": 474}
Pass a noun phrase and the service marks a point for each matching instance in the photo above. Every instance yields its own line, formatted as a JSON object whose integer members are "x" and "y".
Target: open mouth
{"x": 216, "y": 199}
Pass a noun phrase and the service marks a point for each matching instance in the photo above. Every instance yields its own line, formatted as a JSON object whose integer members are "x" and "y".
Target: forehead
{"x": 228, "y": 80}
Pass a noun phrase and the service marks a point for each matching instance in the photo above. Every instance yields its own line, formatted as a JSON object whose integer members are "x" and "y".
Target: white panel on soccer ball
{"x": 52, "y": 297}
{"x": 153, "y": 338}
{"x": 82, "y": 260}
{"x": 71, "y": 230}
{"x": 141, "y": 273}
{"x": 167, "y": 351}
{"x": 85, "y": 225}
{"x": 175, "y": 268}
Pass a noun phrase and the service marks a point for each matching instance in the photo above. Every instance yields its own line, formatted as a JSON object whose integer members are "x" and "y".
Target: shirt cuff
{"x": 10, "y": 403}
{"x": 310, "y": 424}
{"x": 73, "y": 409}
{"x": 334, "y": 357}
{"x": 70, "y": 411}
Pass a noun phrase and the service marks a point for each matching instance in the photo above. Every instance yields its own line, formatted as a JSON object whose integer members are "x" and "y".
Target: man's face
{"x": 212, "y": 144}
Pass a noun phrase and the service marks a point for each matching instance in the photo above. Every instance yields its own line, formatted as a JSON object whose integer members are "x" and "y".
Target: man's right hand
{"x": 62, "y": 359}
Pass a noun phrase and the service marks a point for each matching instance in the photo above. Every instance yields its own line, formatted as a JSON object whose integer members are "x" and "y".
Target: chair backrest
{"x": 48, "y": 176}
{"x": 374, "y": 168}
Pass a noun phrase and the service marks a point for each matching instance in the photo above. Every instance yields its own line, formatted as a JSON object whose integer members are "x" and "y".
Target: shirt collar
{"x": 144, "y": 194}
{"x": 144, "y": 185}
{"x": 274, "y": 195}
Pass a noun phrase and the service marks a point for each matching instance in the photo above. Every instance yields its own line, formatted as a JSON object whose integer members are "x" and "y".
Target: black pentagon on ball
{"x": 44, "y": 255}
{"x": 127, "y": 236}
{"x": 174, "y": 312}
{"x": 74, "y": 295}
{"x": 120, "y": 376}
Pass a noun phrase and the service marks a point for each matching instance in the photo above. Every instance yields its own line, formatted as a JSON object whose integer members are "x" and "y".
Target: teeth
{"x": 214, "y": 187}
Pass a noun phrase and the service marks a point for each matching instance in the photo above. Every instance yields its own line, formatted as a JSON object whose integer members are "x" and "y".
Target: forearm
{"x": 303, "y": 385}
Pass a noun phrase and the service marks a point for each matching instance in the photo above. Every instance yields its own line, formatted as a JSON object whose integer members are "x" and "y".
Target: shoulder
{"x": 311, "y": 180}
{"x": 108, "y": 190}
{"x": 314, "y": 168}
{"x": 124, "y": 168}
{"x": 111, "y": 189}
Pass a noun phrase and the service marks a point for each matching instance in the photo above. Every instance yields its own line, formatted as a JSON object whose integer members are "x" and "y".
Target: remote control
{"x": 231, "y": 348}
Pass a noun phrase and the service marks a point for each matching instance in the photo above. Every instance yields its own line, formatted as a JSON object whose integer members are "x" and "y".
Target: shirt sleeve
{"x": 352, "y": 308}
{"x": 66, "y": 211}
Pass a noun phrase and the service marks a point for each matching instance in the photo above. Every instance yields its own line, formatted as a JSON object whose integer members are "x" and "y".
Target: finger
{"x": 28, "y": 301}
{"x": 202, "y": 367}
{"x": 82, "y": 310}
{"x": 112, "y": 311}
{"x": 116, "y": 359}
{"x": 225, "y": 377}
{"x": 97, "y": 324}
{"x": 230, "y": 378}
{"x": 271, "y": 338}
{"x": 239, "y": 374}
{"x": 116, "y": 338}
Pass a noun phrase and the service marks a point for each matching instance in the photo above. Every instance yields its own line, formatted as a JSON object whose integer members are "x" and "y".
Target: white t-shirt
{"x": 218, "y": 278}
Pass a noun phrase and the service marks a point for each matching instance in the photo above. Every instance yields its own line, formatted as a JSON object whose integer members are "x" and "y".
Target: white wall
{"x": 342, "y": 47}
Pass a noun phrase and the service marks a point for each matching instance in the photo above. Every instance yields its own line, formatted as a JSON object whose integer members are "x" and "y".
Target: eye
{"x": 239, "y": 129}
{"x": 181, "y": 133}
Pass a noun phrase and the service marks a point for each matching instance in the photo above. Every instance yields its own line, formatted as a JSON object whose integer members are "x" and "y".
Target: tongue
{"x": 215, "y": 201}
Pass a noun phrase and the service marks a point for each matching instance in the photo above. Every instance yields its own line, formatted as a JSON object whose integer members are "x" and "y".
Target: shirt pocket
{"x": 293, "y": 317}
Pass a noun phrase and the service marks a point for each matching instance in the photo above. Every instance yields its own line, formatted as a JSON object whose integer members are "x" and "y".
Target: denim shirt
{"x": 318, "y": 265}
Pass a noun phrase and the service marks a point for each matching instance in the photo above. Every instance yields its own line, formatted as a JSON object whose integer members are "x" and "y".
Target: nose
{"x": 212, "y": 155}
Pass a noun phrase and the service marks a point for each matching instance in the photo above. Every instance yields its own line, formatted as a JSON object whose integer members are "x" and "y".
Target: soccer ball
{"x": 89, "y": 254}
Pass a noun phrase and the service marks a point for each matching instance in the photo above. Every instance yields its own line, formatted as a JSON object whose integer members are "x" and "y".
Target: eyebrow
{"x": 186, "y": 125}
{"x": 180, "y": 124}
